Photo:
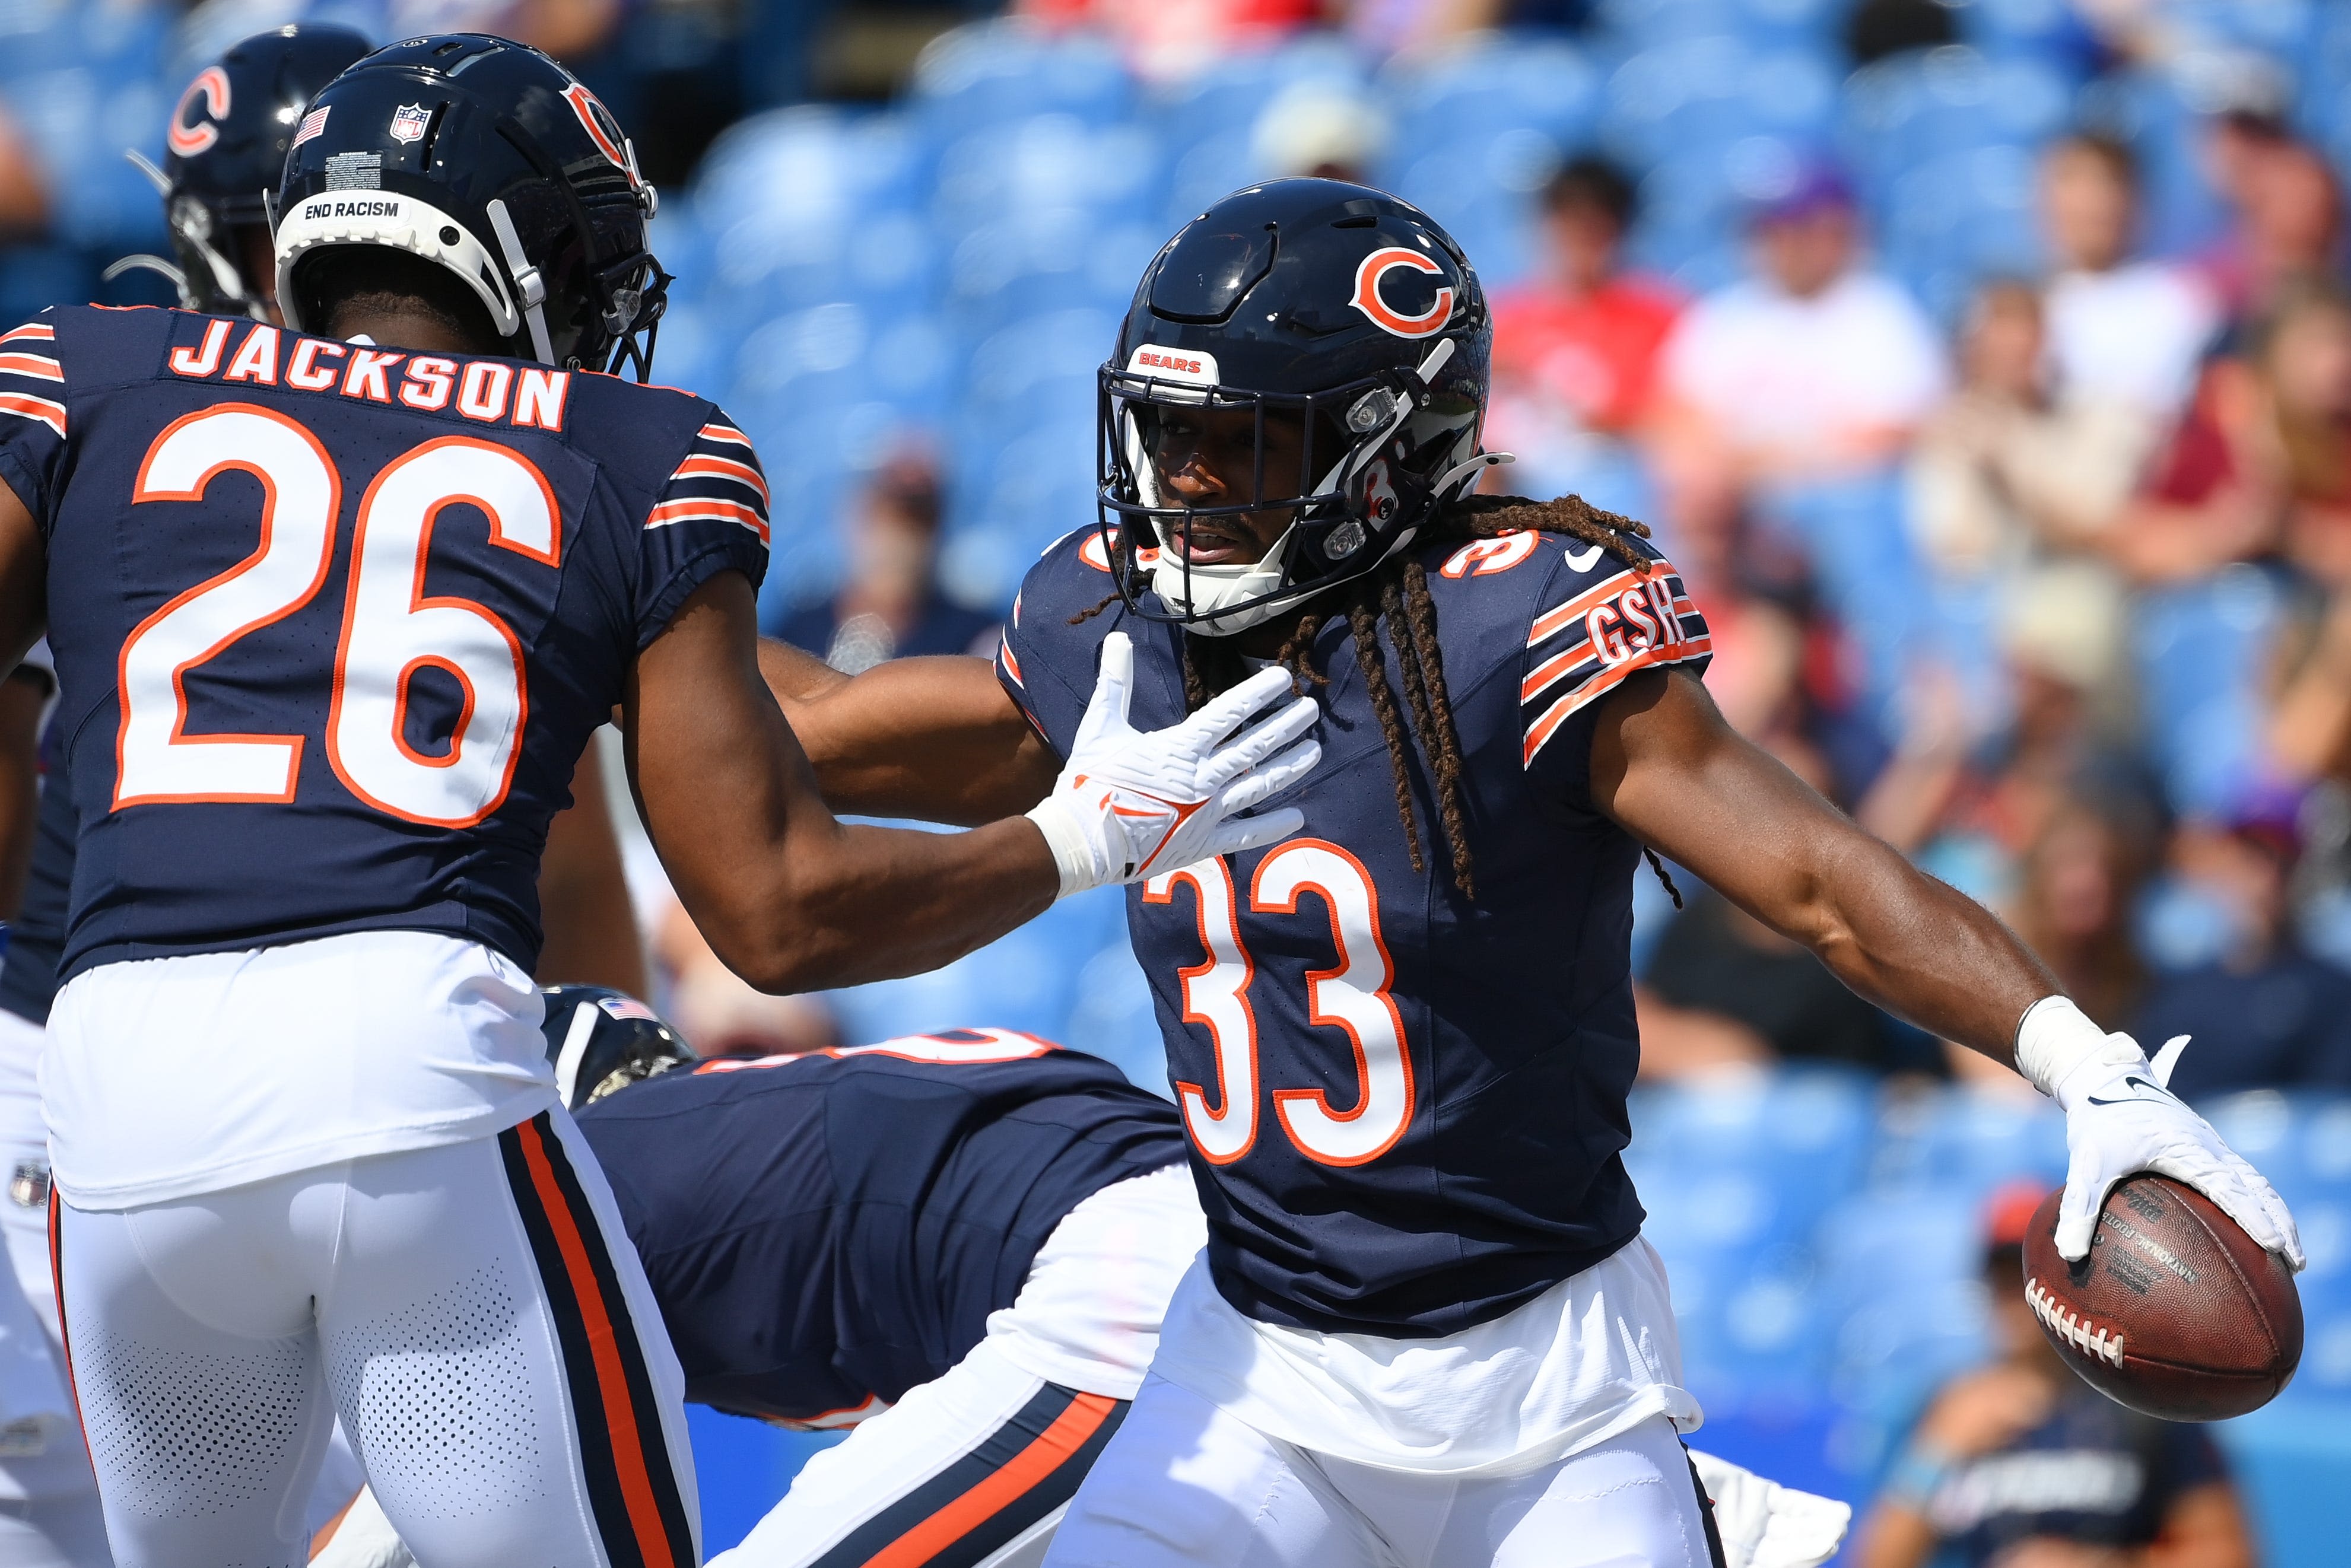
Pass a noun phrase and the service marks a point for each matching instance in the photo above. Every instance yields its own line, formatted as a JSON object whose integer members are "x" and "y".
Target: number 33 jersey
{"x": 333, "y": 621}
{"x": 1405, "y": 1106}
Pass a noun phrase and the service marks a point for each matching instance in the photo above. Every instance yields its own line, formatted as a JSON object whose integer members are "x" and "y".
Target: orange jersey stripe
{"x": 52, "y": 414}
{"x": 697, "y": 510}
{"x": 38, "y": 365}
{"x": 603, "y": 1344}
{"x": 724, "y": 468}
{"x": 715, "y": 432}
{"x": 1012, "y": 663}
{"x": 34, "y": 332}
{"x": 1551, "y": 622}
{"x": 1544, "y": 728}
{"x": 1052, "y": 1449}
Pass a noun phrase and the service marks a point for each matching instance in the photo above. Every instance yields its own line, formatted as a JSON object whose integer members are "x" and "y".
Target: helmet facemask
{"x": 1381, "y": 459}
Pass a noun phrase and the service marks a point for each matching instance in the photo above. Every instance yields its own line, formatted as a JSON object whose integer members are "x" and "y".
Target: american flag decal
{"x": 312, "y": 123}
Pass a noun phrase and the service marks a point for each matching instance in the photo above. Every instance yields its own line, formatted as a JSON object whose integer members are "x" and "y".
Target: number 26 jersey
{"x": 1405, "y": 1106}
{"x": 334, "y": 622}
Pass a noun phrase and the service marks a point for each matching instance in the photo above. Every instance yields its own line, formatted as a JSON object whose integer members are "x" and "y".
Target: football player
{"x": 1426, "y": 1329}
{"x": 335, "y": 611}
{"x": 959, "y": 1244}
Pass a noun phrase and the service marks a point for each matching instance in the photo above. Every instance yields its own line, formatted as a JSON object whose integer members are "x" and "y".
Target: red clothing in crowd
{"x": 1594, "y": 354}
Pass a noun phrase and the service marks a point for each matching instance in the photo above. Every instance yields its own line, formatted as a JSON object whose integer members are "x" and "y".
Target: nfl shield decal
{"x": 408, "y": 122}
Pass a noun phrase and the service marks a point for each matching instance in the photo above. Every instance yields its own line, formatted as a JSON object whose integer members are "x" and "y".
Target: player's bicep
{"x": 1668, "y": 769}
{"x": 718, "y": 775}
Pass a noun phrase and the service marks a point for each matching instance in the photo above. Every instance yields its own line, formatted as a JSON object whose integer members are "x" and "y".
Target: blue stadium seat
{"x": 992, "y": 71}
{"x": 1731, "y": 1166}
{"x": 1480, "y": 127}
{"x": 743, "y": 1467}
{"x": 1908, "y": 109}
{"x": 1027, "y": 979}
{"x": 2156, "y": 110}
{"x": 1227, "y": 95}
{"x": 2200, "y": 648}
{"x": 1645, "y": 22}
{"x": 1961, "y": 1144}
{"x": 1708, "y": 92}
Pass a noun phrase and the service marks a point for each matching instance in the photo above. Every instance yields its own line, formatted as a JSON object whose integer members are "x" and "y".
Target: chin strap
{"x": 530, "y": 289}
{"x": 1470, "y": 470}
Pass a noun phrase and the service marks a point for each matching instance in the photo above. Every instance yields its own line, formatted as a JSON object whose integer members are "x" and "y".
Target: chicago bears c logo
{"x": 186, "y": 139}
{"x": 602, "y": 129}
{"x": 1376, "y": 267}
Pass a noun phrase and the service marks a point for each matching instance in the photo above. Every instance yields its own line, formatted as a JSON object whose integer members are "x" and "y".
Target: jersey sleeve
{"x": 710, "y": 517}
{"x": 32, "y": 413}
{"x": 1591, "y": 629}
{"x": 1047, "y": 657}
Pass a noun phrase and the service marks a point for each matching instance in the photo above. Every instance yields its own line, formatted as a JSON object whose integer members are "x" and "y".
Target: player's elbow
{"x": 777, "y": 964}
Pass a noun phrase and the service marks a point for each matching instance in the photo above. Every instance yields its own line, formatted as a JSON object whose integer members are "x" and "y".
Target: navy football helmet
{"x": 1333, "y": 310}
{"x": 484, "y": 157}
{"x": 600, "y": 1040}
{"x": 223, "y": 153}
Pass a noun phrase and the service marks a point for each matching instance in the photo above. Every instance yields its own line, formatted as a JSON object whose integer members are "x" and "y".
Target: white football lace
{"x": 2071, "y": 1326}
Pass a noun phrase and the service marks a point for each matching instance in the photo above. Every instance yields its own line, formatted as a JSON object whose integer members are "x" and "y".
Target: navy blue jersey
{"x": 1405, "y": 1108}
{"x": 28, "y": 972}
{"x": 826, "y": 1232}
{"x": 2092, "y": 1472}
{"x": 333, "y": 622}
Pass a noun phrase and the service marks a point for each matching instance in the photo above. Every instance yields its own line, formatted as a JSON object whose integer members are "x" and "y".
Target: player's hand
{"x": 1131, "y": 804}
{"x": 2121, "y": 1118}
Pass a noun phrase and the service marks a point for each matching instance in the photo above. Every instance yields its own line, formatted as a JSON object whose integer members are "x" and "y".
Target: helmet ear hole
{"x": 338, "y": 280}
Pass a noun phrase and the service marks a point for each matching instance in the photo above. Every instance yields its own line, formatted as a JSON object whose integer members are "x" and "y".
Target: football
{"x": 2175, "y": 1313}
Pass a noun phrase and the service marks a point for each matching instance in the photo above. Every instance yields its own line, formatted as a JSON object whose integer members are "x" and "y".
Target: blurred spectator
{"x": 2263, "y": 461}
{"x": 1384, "y": 28}
{"x": 1876, "y": 28}
{"x": 1748, "y": 585}
{"x": 1325, "y": 129}
{"x": 2001, "y": 472}
{"x": 2077, "y": 889}
{"x": 2118, "y": 330}
{"x": 2289, "y": 215}
{"x": 2309, "y": 721}
{"x": 1169, "y": 39}
{"x": 2266, "y": 1014}
{"x": 1577, "y": 348}
{"x": 1968, "y": 792}
{"x": 1814, "y": 366}
{"x": 1725, "y": 989}
{"x": 718, "y": 1012}
{"x": 2020, "y": 1464}
{"x": 24, "y": 198}
{"x": 892, "y": 607}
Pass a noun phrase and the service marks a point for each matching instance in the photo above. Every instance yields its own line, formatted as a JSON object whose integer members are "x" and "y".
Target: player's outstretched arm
{"x": 1667, "y": 767}
{"x": 937, "y": 738}
{"x": 790, "y": 898}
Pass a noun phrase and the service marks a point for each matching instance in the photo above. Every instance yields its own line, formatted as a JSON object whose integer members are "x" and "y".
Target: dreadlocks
{"x": 1396, "y": 595}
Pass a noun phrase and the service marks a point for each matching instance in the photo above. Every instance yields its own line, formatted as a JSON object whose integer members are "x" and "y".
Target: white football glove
{"x": 1766, "y": 1525}
{"x": 2121, "y": 1118}
{"x": 1129, "y": 805}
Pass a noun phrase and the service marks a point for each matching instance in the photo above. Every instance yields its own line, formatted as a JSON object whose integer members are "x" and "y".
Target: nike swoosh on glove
{"x": 1130, "y": 804}
{"x": 2122, "y": 1118}
{"x": 1766, "y": 1525}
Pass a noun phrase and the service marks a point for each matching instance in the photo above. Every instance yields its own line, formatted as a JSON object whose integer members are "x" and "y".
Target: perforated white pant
{"x": 1185, "y": 1483}
{"x": 474, "y": 1312}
